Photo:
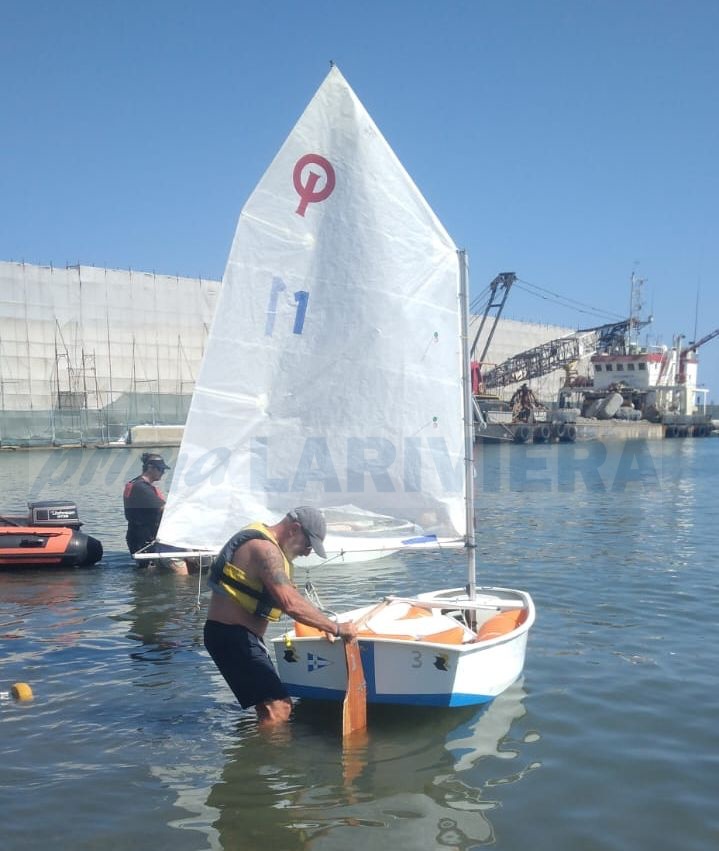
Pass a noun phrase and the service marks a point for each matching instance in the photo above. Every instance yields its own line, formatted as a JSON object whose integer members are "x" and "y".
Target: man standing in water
{"x": 144, "y": 503}
{"x": 251, "y": 585}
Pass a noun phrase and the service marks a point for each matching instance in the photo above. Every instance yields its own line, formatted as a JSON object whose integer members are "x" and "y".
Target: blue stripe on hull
{"x": 448, "y": 700}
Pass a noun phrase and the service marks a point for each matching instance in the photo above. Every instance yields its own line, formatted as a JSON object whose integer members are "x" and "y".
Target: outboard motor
{"x": 54, "y": 513}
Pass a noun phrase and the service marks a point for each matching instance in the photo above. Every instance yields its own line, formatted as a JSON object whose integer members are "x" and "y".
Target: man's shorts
{"x": 243, "y": 660}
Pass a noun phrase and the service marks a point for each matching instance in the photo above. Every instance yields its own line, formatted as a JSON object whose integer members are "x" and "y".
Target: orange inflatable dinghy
{"x": 49, "y": 536}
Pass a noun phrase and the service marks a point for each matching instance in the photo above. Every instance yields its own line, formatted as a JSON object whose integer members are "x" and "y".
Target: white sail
{"x": 332, "y": 375}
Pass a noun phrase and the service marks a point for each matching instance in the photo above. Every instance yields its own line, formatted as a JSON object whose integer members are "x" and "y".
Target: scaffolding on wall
{"x": 87, "y": 353}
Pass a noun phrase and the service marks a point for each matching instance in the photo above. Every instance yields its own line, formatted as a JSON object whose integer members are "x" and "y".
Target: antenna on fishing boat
{"x": 468, "y": 414}
{"x": 636, "y": 304}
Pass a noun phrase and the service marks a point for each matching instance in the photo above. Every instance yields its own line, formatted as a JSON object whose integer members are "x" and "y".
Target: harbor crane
{"x": 505, "y": 280}
{"x": 694, "y": 345}
{"x": 558, "y": 353}
{"x": 546, "y": 357}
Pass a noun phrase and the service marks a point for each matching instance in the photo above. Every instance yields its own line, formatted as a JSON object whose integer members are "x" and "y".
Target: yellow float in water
{"x": 21, "y": 691}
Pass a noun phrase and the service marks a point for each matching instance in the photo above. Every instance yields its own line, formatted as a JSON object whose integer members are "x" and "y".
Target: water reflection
{"x": 163, "y": 617}
{"x": 39, "y": 612}
{"x": 418, "y": 779}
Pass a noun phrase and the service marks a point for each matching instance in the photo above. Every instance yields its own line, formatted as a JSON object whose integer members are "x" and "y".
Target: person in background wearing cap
{"x": 144, "y": 503}
{"x": 251, "y": 585}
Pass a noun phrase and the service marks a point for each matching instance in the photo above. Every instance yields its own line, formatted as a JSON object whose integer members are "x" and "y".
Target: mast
{"x": 468, "y": 413}
{"x": 635, "y": 308}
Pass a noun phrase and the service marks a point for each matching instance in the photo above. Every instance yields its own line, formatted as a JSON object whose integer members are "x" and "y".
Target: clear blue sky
{"x": 564, "y": 140}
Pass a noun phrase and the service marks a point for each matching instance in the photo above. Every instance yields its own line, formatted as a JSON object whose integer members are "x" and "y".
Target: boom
{"x": 558, "y": 353}
{"x": 694, "y": 345}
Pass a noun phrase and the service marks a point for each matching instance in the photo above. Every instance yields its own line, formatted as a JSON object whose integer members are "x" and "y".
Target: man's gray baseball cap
{"x": 314, "y": 524}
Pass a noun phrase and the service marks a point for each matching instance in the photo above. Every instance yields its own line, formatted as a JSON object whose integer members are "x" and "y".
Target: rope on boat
{"x": 199, "y": 576}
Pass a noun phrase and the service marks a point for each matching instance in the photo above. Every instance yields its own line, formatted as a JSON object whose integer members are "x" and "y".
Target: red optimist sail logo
{"x": 308, "y": 191}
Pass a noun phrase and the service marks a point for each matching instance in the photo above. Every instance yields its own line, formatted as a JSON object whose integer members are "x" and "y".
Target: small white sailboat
{"x": 337, "y": 375}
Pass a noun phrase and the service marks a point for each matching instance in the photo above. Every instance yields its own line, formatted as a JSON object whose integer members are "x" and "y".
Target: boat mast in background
{"x": 636, "y": 304}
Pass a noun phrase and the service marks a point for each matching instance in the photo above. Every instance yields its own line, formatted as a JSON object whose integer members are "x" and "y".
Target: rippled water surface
{"x": 609, "y": 741}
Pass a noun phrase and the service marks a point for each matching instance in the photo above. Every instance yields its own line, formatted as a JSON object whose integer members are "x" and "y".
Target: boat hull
{"x": 37, "y": 546}
{"x": 406, "y": 670}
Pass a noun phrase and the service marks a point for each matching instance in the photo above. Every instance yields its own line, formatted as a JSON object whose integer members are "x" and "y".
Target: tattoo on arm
{"x": 272, "y": 569}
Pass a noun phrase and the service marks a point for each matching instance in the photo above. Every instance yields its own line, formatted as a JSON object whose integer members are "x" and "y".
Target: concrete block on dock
{"x": 609, "y": 406}
{"x": 156, "y": 435}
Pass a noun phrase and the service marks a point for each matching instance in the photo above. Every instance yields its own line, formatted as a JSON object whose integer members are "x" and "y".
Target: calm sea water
{"x": 609, "y": 741}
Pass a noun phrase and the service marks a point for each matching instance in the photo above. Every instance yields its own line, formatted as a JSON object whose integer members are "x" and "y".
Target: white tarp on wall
{"x": 84, "y": 338}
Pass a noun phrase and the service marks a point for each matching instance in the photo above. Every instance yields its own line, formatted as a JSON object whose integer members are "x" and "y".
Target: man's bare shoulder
{"x": 255, "y": 551}
{"x": 258, "y": 552}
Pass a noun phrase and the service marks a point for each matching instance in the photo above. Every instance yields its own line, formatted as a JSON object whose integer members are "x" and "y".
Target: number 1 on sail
{"x": 301, "y": 299}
